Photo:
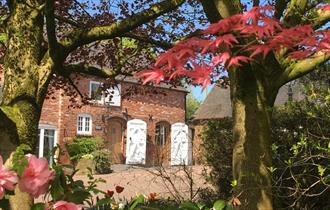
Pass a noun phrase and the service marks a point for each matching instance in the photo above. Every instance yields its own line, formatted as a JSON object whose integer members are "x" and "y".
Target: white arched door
{"x": 180, "y": 144}
{"x": 136, "y": 142}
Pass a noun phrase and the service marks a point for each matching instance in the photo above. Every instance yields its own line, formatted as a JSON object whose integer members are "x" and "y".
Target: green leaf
{"x": 234, "y": 183}
{"x": 78, "y": 196}
{"x": 103, "y": 201}
{"x": 321, "y": 170}
{"x": 189, "y": 206}
{"x": 229, "y": 206}
{"x": 4, "y": 203}
{"x": 219, "y": 205}
{"x": 3, "y": 37}
{"x": 38, "y": 206}
{"x": 138, "y": 200}
{"x": 19, "y": 159}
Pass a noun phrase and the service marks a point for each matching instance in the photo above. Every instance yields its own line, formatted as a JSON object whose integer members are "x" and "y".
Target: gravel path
{"x": 137, "y": 180}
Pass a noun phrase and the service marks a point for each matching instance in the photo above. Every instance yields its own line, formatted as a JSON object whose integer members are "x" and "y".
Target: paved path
{"x": 137, "y": 180}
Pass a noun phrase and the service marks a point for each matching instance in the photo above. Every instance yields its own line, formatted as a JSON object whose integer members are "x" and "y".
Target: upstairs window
{"x": 95, "y": 92}
{"x": 110, "y": 97}
{"x": 113, "y": 96}
{"x": 84, "y": 124}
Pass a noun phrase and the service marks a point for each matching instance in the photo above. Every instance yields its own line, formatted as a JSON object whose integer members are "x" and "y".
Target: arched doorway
{"x": 163, "y": 142}
{"x": 115, "y": 138}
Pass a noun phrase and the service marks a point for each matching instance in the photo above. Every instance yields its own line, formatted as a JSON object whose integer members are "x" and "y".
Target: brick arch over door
{"x": 115, "y": 136}
{"x": 163, "y": 142}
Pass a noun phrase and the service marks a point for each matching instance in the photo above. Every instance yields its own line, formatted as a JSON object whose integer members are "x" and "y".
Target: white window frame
{"x": 83, "y": 131}
{"x": 90, "y": 92}
{"x": 105, "y": 98}
{"x": 42, "y": 128}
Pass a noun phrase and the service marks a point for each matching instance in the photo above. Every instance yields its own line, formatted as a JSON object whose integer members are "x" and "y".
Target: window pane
{"x": 87, "y": 124}
{"x": 96, "y": 92}
{"x": 163, "y": 135}
{"x": 157, "y": 135}
{"x": 80, "y": 123}
{"x": 49, "y": 144}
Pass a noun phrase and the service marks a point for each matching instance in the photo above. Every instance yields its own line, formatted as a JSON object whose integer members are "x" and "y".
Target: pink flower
{"x": 7, "y": 179}
{"x": 63, "y": 205}
{"x": 36, "y": 176}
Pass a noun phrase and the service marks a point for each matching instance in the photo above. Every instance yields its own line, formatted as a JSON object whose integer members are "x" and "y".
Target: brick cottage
{"x": 108, "y": 116}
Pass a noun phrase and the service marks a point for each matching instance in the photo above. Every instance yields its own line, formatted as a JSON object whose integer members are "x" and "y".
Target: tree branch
{"x": 256, "y": 3}
{"x": 90, "y": 70}
{"x": 295, "y": 11}
{"x": 211, "y": 11}
{"x": 66, "y": 20}
{"x": 280, "y": 6}
{"x": 50, "y": 26}
{"x": 320, "y": 18}
{"x": 227, "y": 8}
{"x": 302, "y": 67}
{"x": 162, "y": 44}
{"x": 82, "y": 37}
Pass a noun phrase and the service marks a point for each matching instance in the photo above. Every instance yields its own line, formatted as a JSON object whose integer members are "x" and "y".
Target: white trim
{"x": 42, "y": 128}
{"x": 83, "y": 131}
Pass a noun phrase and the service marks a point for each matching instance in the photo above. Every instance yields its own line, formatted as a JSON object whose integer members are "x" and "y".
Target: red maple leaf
{"x": 256, "y": 49}
{"x": 222, "y": 58}
{"x": 154, "y": 74}
{"x": 237, "y": 61}
{"x": 169, "y": 59}
{"x": 201, "y": 75}
{"x": 300, "y": 54}
{"x": 227, "y": 39}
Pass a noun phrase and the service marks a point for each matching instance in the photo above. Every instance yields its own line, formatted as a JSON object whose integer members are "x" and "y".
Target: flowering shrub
{"x": 63, "y": 205}
{"x": 34, "y": 176}
{"x": 8, "y": 179}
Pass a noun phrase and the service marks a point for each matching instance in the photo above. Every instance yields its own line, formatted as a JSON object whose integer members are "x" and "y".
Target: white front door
{"x": 180, "y": 144}
{"x": 47, "y": 142}
{"x": 136, "y": 142}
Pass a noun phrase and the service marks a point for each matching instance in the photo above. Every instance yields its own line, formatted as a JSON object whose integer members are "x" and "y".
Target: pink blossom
{"x": 63, "y": 205}
{"x": 36, "y": 176}
{"x": 7, "y": 179}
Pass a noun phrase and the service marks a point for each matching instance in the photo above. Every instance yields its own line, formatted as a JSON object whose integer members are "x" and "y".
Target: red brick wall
{"x": 152, "y": 108}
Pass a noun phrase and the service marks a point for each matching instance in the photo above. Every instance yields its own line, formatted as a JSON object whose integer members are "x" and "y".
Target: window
{"x": 111, "y": 96}
{"x": 161, "y": 133}
{"x": 84, "y": 125}
{"x": 95, "y": 92}
{"x": 47, "y": 141}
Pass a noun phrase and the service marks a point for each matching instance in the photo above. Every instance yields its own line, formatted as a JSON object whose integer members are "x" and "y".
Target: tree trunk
{"x": 23, "y": 96}
{"x": 252, "y": 103}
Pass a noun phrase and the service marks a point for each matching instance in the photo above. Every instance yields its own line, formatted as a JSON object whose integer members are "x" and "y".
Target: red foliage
{"x": 225, "y": 42}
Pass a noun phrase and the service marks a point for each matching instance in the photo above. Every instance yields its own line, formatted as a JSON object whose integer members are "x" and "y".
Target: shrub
{"x": 91, "y": 148}
{"x": 83, "y": 146}
{"x": 217, "y": 144}
{"x": 102, "y": 159}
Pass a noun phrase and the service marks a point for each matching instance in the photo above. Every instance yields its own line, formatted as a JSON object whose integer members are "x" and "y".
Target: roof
{"x": 131, "y": 79}
{"x": 217, "y": 104}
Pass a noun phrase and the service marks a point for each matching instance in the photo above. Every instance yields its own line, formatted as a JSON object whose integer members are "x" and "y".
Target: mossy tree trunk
{"x": 252, "y": 102}
{"x": 24, "y": 85}
{"x": 23, "y": 91}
